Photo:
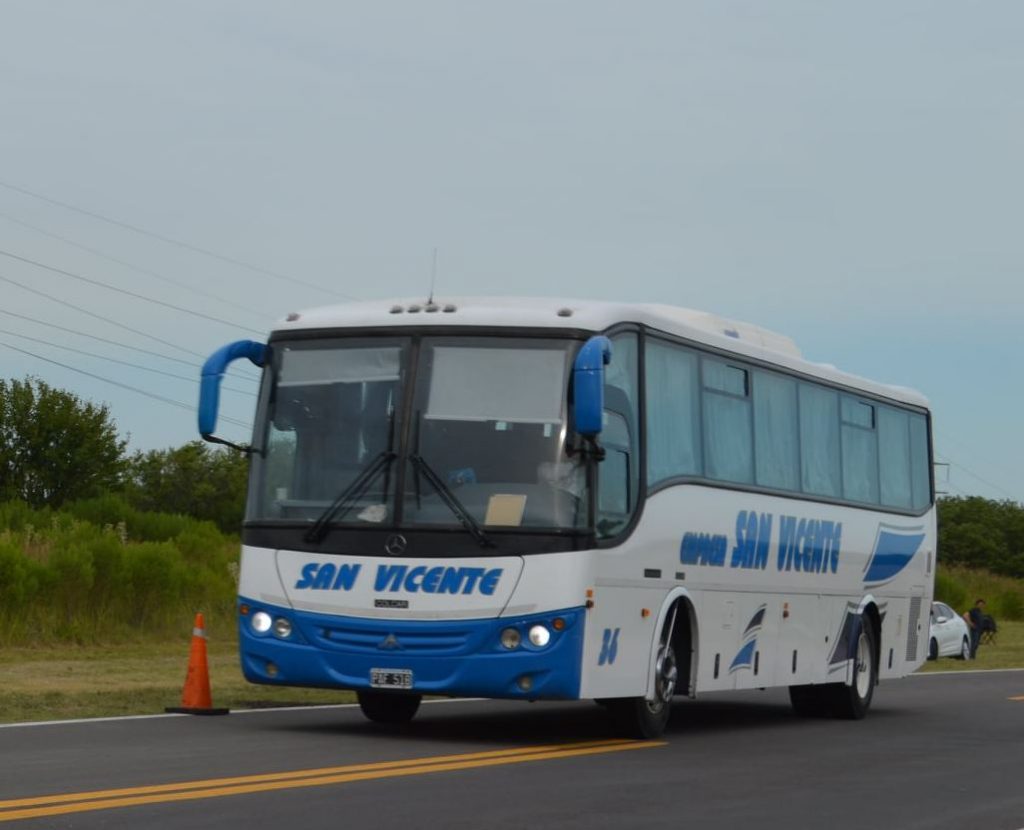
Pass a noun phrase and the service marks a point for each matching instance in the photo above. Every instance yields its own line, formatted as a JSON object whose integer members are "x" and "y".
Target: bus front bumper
{"x": 464, "y": 658}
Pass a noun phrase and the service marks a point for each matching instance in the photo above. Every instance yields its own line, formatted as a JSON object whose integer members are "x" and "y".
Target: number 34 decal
{"x": 609, "y": 647}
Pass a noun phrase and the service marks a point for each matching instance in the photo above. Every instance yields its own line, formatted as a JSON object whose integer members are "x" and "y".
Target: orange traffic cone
{"x": 195, "y": 697}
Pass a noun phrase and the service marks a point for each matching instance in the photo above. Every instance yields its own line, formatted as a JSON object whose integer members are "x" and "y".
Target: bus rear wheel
{"x": 389, "y": 707}
{"x": 852, "y": 702}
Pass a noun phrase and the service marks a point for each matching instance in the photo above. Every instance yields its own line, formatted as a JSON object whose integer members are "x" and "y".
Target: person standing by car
{"x": 975, "y": 618}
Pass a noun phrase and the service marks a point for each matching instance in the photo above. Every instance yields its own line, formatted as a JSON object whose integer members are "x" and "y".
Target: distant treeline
{"x": 56, "y": 449}
{"x": 99, "y": 545}
{"x": 982, "y": 533}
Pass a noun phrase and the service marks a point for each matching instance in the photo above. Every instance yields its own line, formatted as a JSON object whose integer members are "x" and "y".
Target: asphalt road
{"x": 936, "y": 751}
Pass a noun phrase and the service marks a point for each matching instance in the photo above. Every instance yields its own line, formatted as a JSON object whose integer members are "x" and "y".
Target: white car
{"x": 948, "y": 635}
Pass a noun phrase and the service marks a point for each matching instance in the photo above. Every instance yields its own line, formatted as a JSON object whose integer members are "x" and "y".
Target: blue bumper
{"x": 463, "y": 658}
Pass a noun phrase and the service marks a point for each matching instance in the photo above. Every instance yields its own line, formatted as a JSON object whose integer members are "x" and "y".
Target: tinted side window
{"x": 776, "y": 441}
{"x": 673, "y": 412}
{"x": 728, "y": 434}
{"x": 920, "y": 463}
{"x": 819, "y": 441}
{"x": 860, "y": 451}
{"x": 894, "y": 451}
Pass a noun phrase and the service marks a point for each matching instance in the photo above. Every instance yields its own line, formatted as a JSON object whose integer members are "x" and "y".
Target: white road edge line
{"x": 425, "y": 703}
{"x": 954, "y": 672}
{"x": 233, "y": 712}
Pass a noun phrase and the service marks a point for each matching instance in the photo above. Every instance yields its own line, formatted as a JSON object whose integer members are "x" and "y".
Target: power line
{"x": 988, "y": 461}
{"x": 124, "y": 263}
{"x": 108, "y": 320}
{"x": 125, "y": 291}
{"x": 976, "y": 477}
{"x": 121, "y": 362}
{"x": 170, "y": 241}
{"x": 100, "y": 339}
{"x": 155, "y": 397}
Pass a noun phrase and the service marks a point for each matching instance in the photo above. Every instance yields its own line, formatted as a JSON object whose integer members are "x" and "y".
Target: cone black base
{"x": 183, "y": 710}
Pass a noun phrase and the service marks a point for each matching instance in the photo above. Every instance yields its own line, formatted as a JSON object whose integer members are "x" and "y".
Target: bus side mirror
{"x": 588, "y": 386}
{"x": 213, "y": 374}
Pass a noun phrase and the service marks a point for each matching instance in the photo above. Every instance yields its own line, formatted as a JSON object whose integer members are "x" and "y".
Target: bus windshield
{"x": 484, "y": 434}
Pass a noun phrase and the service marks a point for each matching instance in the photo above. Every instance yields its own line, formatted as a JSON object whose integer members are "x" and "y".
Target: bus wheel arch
{"x": 678, "y": 611}
{"x": 872, "y": 618}
{"x": 671, "y": 671}
{"x": 852, "y": 701}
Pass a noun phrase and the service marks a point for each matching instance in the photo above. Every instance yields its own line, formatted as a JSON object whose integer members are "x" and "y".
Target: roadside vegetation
{"x": 99, "y": 571}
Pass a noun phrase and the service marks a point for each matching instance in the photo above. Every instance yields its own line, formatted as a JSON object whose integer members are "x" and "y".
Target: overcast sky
{"x": 847, "y": 173}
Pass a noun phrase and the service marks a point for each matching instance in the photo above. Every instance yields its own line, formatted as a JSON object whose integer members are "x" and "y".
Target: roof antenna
{"x": 433, "y": 277}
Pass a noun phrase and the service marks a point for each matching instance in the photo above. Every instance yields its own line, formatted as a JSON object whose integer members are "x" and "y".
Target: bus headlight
{"x": 282, "y": 628}
{"x": 510, "y": 638}
{"x": 540, "y": 636}
{"x": 261, "y": 622}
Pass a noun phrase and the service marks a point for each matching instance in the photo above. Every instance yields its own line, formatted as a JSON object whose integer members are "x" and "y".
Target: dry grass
{"x": 58, "y": 683}
{"x": 1006, "y": 653}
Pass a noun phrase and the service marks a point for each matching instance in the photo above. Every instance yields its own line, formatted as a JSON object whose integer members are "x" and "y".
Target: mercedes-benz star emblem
{"x": 395, "y": 544}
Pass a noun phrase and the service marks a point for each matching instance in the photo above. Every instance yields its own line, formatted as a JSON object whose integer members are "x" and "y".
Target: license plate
{"x": 391, "y": 678}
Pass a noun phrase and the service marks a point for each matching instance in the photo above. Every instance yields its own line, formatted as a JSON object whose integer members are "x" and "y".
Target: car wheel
{"x": 933, "y": 649}
{"x": 389, "y": 707}
{"x": 965, "y": 649}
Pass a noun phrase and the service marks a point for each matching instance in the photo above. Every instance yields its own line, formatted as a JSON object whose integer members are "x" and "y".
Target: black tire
{"x": 812, "y": 701}
{"x": 965, "y": 650}
{"x": 933, "y": 649}
{"x": 852, "y": 702}
{"x": 389, "y": 707}
{"x": 637, "y": 717}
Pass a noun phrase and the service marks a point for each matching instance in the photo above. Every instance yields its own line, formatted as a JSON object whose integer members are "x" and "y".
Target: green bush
{"x": 1008, "y": 605}
{"x": 102, "y": 571}
{"x": 949, "y": 590}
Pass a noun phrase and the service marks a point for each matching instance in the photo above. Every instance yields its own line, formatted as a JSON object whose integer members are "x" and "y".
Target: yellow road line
{"x": 285, "y": 776}
{"x": 1020, "y": 697}
{"x": 215, "y": 788}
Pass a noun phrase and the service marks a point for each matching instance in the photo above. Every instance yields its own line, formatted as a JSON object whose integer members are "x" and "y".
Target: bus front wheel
{"x": 638, "y": 717}
{"x": 389, "y": 707}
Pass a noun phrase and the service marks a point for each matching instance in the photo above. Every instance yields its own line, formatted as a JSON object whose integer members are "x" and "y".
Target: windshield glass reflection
{"x": 490, "y": 420}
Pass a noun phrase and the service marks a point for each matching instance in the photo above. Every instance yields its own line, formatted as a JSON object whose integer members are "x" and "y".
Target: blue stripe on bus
{"x": 893, "y": 552}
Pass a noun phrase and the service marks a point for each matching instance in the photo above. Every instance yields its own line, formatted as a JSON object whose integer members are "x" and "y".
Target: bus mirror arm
{"x": 247, "y": 449}
{"x": 209, "y": 389}
{"x": 587, "y": 448}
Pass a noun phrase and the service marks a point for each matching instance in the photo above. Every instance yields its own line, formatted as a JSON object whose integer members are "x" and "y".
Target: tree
{"x": 193, "y": 479}
{"x": 982, "y": 533}
{"x": 55, "y": 447}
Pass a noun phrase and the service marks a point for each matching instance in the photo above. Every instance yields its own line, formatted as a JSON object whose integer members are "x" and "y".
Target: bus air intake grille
{"x": 377, "y": 638}
{"x": 912, "y": 623}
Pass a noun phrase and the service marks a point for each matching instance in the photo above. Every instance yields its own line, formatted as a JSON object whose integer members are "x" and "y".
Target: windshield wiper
{"x": 349, "y": 496}
{"x": 451, "y": 500}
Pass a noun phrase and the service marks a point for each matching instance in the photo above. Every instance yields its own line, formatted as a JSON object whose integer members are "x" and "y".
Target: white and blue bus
{"x": 541, "y": 499}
